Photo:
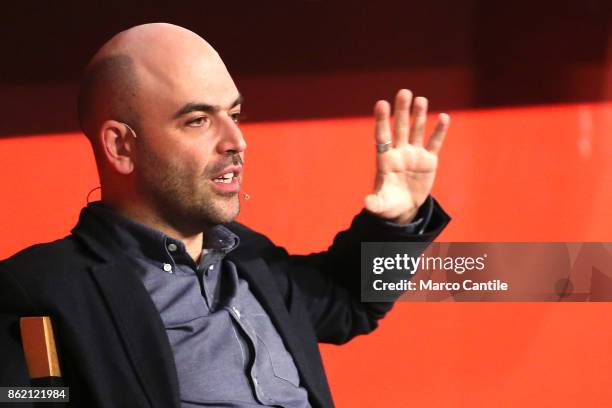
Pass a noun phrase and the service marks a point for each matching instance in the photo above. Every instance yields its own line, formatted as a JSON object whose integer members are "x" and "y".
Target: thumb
{"x": 373, "y": 204}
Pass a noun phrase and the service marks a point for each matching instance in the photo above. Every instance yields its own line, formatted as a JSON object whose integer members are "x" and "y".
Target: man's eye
{"x": 197, "y": 122}
{"x": 236, "y": 117}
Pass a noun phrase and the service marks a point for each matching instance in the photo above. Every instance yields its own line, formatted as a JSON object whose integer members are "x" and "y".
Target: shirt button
{"x": 211, "y": 267}
{"x": 172, "y": 247}
{"x": 168, "y": 267}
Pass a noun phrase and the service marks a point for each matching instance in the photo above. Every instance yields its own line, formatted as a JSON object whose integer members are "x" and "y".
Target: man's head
{"x": 172, "y": 88}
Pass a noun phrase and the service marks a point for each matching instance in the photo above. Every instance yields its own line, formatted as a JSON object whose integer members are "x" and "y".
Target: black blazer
{"x": 111, "y": 342}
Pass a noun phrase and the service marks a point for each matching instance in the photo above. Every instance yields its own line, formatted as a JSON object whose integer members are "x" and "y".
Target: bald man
{"x": 158, "y": 298}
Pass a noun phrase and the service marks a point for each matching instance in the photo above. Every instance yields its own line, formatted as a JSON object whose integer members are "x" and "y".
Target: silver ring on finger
{"x": 383, "y": 147}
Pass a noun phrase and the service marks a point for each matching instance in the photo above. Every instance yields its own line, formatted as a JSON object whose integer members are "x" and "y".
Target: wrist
{"x": 407, "y": 217}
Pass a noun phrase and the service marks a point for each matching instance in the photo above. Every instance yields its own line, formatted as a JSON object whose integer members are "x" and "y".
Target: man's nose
{"x": 231, "y": 140}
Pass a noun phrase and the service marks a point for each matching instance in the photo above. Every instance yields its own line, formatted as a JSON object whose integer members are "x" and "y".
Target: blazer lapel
{"x": 262, "y": 284}
{"x": 141, "y": 330}
{"x": 136, "y": 317}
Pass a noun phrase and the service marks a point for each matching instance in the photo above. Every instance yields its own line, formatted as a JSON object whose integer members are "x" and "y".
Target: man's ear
{"x": 118, "y": 146}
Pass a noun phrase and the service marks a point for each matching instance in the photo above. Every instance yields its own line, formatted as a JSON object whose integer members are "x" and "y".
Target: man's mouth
{"x": 225, "y": 178}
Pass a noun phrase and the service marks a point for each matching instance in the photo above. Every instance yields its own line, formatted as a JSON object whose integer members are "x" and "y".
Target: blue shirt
{"x": 226, "y": 350}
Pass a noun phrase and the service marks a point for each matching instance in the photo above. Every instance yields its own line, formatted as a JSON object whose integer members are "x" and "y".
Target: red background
{"x": 520, "y": 174}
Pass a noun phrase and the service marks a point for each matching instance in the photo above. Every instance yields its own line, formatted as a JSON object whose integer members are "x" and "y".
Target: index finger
{"x": 381, "y": 117}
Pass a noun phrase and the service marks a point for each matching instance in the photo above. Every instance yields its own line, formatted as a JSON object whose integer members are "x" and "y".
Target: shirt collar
{"x": 140, "y": 240}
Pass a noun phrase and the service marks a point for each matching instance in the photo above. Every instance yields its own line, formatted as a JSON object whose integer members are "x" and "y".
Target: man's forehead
{"x": 198, "y": 81}
{"x": 195, "y": 70}
{"x": 215, "y": 91}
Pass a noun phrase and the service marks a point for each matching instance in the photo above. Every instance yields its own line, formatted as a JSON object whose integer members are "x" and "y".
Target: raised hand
{"x": 405, "y": 168}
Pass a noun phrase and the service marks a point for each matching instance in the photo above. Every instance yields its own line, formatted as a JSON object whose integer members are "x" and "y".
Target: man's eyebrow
{"x": 204, "y": 107}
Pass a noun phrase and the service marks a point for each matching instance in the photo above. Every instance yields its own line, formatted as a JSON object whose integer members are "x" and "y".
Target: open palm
{"x": 405, "y": 172}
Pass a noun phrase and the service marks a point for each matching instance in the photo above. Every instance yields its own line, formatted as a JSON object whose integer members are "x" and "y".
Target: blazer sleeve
{"x": 328, "y": 283}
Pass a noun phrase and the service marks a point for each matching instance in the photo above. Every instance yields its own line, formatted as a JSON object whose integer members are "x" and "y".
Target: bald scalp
{"x": 135, "y": 63}
{"x": 108, "y": 91}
